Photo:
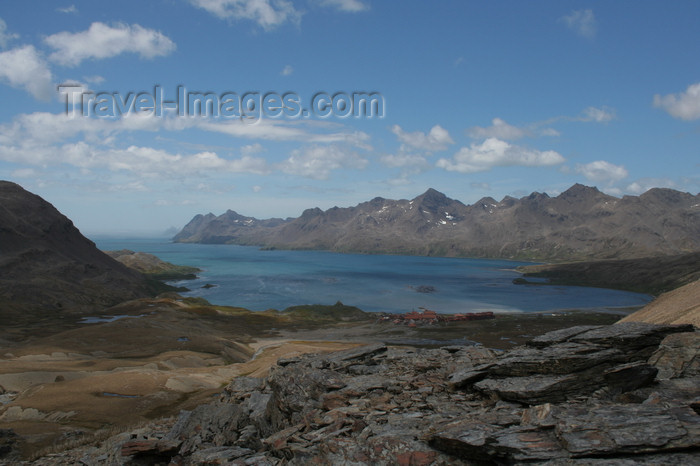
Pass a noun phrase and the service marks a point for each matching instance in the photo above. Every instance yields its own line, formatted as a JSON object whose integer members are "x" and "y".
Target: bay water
{"x": 257, "y": 279}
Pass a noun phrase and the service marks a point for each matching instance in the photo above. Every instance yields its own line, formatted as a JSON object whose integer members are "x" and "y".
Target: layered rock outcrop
{"x": 622, "y": 394}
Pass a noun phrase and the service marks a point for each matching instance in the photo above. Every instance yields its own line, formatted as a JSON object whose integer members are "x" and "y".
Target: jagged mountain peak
{"x": 579, "y": 192}
{"x": 668, "y": 196}
{"x": 537, "y": 196}
{"x": 486, "y": 201}
{"x": 431, "y": 195}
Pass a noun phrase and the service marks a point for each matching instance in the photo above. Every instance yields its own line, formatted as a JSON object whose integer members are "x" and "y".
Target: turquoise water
{"x": 258, "y": 280}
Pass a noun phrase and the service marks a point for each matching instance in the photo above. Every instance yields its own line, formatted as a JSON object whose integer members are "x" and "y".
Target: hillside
{"x": 153, "y": 266}
{"x": 49, "y": 267}
{"x": 581, "y": 223}
{"x": 653, "y": 275}
{"x": 680, "y": 306}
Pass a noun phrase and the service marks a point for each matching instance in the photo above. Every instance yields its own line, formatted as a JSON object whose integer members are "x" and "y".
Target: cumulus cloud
{"x": 685, "y": 105}
{"x": 44, "y": 139}
{"x": 25, "y": 68}
{"x": 5, "y": 36}
{"x": 582, "y": 22}
{"x": 137, "y": 160}
{"x": 268, "y": 14}
{"x": 437, "y": 139}
{"x": 103, "y": 41}
{"x": 287, "y": 70}
{"x": 494, "y": 152}
{"x": 351, "y": 6}
{"x": 499, "y": 129}
{"x": 601, "y": 171}
{"x": 317, "y": 162}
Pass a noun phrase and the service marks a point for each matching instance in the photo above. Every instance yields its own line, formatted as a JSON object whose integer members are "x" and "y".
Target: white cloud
{"x": 67, "y": 9}
{"x": 277, "y": 130}
{"x": 287, "y": 70}
{"x": 685, "y": 105}
{"x": 437, "y": 139}
{"x": 497, "y": 153}
{"x": 601, "y": 171}
{"x": 142, "y": 161}
{"x": 597, "y": 115}
{"x": 54, "y": 128}
{"x": 643, "y": 185}
{"x": 317, "y": 162}
{"x": 45, "y": 139}
{"x": 582, "y": 22}
{"x": 352, "y": 6}
{"x": 94, "y": 79}
{"x": 602, "y": 114}
{"x": 268, "y": 14}
{"x": 103, "y": 41}
{"x": 251, "y": 149}
{"x": 24, "y": 68}
{"x": 5, "y": 37}
{"x": 403, "y": 160}
{"x": 499, "y": 129}
{"x": 549, "y": 132}
{"x": 24, "y": 173}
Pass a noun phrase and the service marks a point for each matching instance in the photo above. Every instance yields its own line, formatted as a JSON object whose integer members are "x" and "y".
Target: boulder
{"x": 678, "y": 356}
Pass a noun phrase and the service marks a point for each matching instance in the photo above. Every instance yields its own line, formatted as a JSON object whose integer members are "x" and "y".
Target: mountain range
{"x": 580, "y": 223}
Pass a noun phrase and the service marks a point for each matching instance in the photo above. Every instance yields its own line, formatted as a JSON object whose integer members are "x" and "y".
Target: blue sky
{"x": 477, "y": 99}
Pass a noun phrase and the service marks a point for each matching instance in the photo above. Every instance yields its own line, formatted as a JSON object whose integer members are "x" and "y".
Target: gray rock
{"x": 466, "y": 377}
{"x": 218, "y": 455}
{"x": 576, "y": 432}
{"x": 534, "y": 389}
{"x": 8, "y": 444}
{"x": 678, "y": 356}
{"x": 562, "y": 358}
{"x": 624, "y": 429}
{"x": 559, "y": 336}
{"x": 354, "y": 355}
{"x": 630, "y": 336}
{"x": 573, "y": 400}
{"x": 628, "y": 377}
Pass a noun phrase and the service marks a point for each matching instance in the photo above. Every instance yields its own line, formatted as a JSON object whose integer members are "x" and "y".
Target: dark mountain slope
{"x": 47, "y": 266}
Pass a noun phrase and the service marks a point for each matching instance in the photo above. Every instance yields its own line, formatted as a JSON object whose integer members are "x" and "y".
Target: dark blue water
{"x": 258, "y": 280}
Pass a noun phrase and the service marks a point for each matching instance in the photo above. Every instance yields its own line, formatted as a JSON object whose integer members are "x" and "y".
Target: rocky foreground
{"x": 620, "y": 394}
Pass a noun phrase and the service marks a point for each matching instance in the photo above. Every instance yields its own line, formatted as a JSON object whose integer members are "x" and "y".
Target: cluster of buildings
{"x": 428, "y": 317}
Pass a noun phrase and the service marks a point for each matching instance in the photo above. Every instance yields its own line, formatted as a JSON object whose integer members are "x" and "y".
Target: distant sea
{"x": 258, "y": 280}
